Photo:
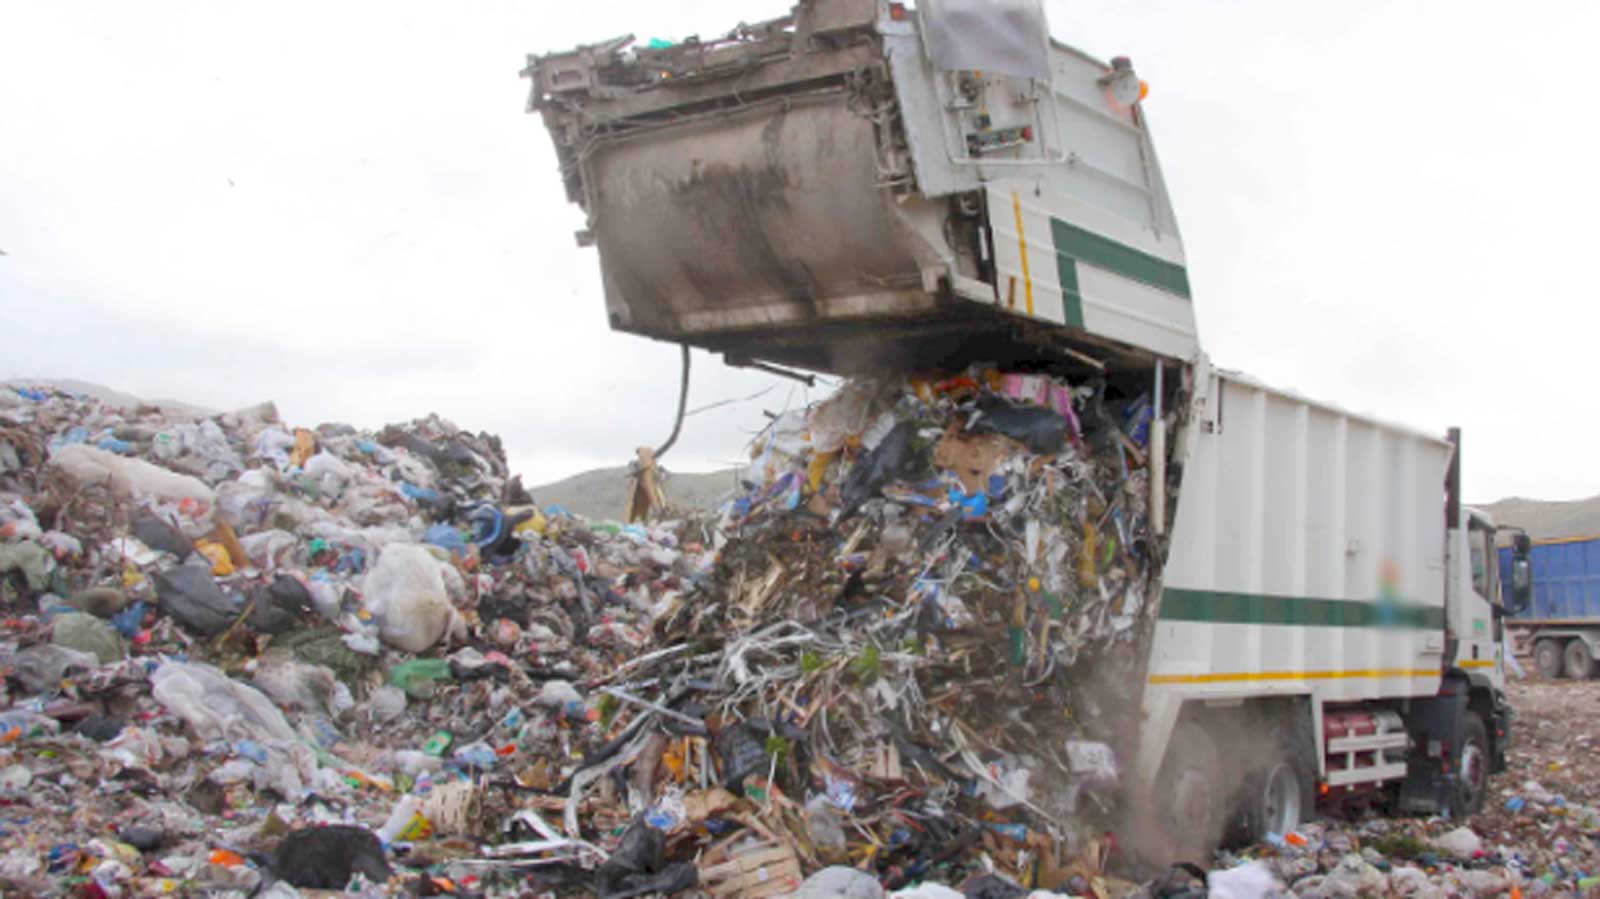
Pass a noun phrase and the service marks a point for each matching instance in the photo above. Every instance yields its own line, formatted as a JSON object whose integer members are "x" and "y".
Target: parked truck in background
{"x": 1559, "y": 624}
{"x": 862, "y": 186}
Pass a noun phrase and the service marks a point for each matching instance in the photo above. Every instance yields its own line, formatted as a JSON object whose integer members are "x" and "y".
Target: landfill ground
{"x": 1539, "y": 832}
{"x": 245, "y": 658}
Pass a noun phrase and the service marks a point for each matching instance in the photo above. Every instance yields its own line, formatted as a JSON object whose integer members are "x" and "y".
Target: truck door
{"x": 1472, "y": 619}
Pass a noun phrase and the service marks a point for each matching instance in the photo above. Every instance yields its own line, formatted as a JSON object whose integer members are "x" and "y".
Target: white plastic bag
{"x": 129, "y": 478}
{"x": 216, "y": 706}
{"x": 1251, "y": 880}
{"x": 405, "y": 592}
{"x": 839, "y": 882}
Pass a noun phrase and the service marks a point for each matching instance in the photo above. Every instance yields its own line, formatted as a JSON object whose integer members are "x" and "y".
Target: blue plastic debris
{"x": 71, "y": 436}
{"x": 421, "y": 494}
{"x": 128, "y": 621}
{"x": 974, "y": 506}
{"x": 445, "y": 537}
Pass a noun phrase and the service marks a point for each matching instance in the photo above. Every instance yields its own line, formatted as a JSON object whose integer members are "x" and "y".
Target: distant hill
{"x": 1549, "y": 519}
{"x": 603, "y": 492}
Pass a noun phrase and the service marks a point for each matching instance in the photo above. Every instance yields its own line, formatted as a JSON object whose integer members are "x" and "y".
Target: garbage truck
{"x": 1559, "y": 625}
{"x": 861, "y": 186}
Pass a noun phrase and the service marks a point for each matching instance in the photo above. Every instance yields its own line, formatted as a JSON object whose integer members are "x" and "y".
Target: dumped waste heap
{"x": 897, "y": 630}
{"x": 238, "y": 652}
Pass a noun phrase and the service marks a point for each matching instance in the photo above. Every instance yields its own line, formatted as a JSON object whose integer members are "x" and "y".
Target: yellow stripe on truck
{"x": 1022, "y": 249}
{"x": 1250, "y": 676}
{"x": 1476, "y": 663}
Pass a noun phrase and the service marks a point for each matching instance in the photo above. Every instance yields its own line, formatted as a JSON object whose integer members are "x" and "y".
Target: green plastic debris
{"x": 325, "y": 646}
{"x": 439, "y": 743}
{"x": 29, "y": 558}
{"x": 609, "y": 706}
{"x": 418, "y": 676}
{"x": 867, "y": 666}
{"x": 1018, "y": 639}
{"x": 86, "y": 633}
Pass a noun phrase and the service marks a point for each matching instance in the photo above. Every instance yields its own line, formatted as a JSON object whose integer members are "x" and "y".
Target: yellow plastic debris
{"x": 305, "y": 446}
{"x": 221, "y": 563}
{"x": 536, "y": 524}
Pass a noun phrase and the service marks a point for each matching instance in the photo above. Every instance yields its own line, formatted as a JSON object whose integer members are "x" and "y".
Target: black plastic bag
{"x": 157, "y": 534}
{"x": 674, "y": 877}
{"x": 325, "y": 858}
{"x": 1039, "y": 429}
{"x": 741, "y": 751}
{"x": 894, "y": 457}
{"x": 144, "y": 839}
{"x": 640, "y": 853}
{"x": 101, "y": 728}
{"x": 991, "y": 886}
{"x": 192, "y": 598}
{"x": 280, "y": 606}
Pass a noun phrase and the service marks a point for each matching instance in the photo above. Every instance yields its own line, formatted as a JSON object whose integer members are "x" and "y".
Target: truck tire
{"x": 1580, "y": 662}
{"x": 1547, "y": 658}
{"x": 1471, "y": 768}
{"x": 1192, "y": 793}
{"x": 1279, "y": 789}
{"x": 1276, "y": 798}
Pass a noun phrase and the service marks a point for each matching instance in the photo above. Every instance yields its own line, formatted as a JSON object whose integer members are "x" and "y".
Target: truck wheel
{"x": 1547, "y": 659}
{"x": 1191, "y": 792}
{"x": 1580, "y": 663}
{"x": 1279, "y": 789}
{"x": 1276, "y": 799}
{"x": 1471, "y": 768}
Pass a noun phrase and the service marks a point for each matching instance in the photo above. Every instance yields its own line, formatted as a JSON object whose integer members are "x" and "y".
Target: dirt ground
{"x": 1542, "y": 818}
{"x": 1556, "y": 728}
{"x": 1554, "y": 770}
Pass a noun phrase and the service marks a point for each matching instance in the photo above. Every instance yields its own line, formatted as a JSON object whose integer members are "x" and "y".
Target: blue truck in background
{"x": 1560, "y": 625}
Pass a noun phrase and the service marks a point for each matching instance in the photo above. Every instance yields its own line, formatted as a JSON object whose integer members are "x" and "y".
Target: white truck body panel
{"x": 1308, "y": 558}
{"x": 1060, "y": 259}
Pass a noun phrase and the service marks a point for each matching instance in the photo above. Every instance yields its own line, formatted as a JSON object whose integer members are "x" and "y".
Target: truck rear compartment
{"x": 817, "y": 191}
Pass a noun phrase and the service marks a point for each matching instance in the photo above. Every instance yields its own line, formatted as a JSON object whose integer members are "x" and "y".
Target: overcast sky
{"x": 343, "y": 207}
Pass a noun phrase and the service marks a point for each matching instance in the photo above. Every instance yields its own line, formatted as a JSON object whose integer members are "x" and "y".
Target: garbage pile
{"x": 244, "y": 656}
{"x": 1378, "y": 857}
{"x": 911, "y": 642}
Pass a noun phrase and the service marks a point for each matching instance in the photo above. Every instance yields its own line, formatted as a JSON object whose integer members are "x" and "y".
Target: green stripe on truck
{"x": 1214, "y": 607}
{"x": 1074, "y": 244}
{"x": 1071, "y": 298}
